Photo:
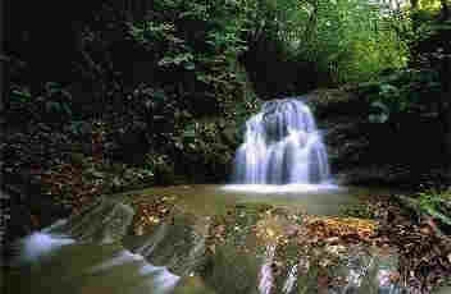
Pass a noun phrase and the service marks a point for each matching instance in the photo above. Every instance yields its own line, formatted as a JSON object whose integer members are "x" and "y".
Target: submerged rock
{"x": 178, "y": 243}
{"x": 349, "y": 270}
{"x": 105, "y": 221}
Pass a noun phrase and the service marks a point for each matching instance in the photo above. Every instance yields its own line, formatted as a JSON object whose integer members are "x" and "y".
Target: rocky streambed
{"x": 187, "y": 240}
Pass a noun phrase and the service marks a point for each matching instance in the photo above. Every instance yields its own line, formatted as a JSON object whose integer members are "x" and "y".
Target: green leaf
{"x": 52, "y": 106}
{"x": 66, "y": 109}
{"x": 189, "y": 66}
{"x": 191, "y": 133}
{"x": 159, "y": 96}
{"x": 20, "y": 95}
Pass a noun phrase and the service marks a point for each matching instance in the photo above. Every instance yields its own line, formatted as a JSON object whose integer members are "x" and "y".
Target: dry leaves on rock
{"x": 332, "y": 229}
{"x": 150, "y": 212}
{"x": 424, "y": 255}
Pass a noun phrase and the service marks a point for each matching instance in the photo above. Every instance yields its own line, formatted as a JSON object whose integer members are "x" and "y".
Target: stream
{"x": 98, "y": 251}
{"x": 255, "y": 235}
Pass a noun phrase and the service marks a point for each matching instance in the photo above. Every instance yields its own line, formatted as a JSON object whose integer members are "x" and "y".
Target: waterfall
{"x": 281, "y": 146}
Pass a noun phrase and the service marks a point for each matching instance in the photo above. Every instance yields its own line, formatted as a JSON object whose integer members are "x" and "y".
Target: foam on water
{"x": 155, "y": 279}
{"x": 123, "y": 257}
{"x": 274, "y": 189}
{"x": 39, "y": 244}
{"x": 266, "y": 277}
{"x": 165, "y": 281}
{"x": 291, "y": 280}
{"x": 149, "y": 269}
{"x": 162, "y": 280}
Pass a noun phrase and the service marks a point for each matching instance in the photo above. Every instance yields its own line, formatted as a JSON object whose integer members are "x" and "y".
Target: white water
{"x": 161, "y": 280}
{"x": 282, "y": 146}
{"x": 279, "y": 189}
{"x": 291, "y": 280}
{"x": 157, "y": 279}
{"x": 266, "y": 278}
{"x": 39, "y": 244}
{"x": 123, "y": 257}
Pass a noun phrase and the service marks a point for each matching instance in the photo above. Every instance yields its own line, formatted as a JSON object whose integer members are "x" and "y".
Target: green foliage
{"x": 352, "y": 41}
{"x": 20, "y": 108}
{"x": 194, "y": 46}
{"x": 52, "y": 105}
{"x": 379, "y": 112}
{"x": 20, "y": 96}
{"x": 405, "y": 92}
{"x": 358, "y": 210}
{"x": 427, "y": 8}
{"x": 56, "y": 102}
{"x": 295, "y": 46}
{"x": 173, "y": 78}
{"x": 206, "y": 154}
{"x": 437, "y": 204}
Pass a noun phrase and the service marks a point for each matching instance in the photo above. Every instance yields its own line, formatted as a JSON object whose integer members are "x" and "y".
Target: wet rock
{"x": 350, "y": 270}
{"x": 178, "y": 243}
{"x": 105, "y": 221}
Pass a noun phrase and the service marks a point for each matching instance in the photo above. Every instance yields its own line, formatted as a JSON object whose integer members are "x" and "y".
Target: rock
{"x": 178, "y": 243}
{"x": 357, "y": 270}
{"x": 228, "y": 135}
{"x": 105, "y": 221}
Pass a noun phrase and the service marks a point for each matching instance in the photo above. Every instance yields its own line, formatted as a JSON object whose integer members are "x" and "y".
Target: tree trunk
{"x": 447, "y": 137}
{"x": 445, "y": 13}
{"x": 311, "y": 24}
{"x": 4, "y": 60}
{"x": 445, "y": 108}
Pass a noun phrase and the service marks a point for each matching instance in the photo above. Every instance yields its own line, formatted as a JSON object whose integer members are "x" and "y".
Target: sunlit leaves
{"x": 184, "y": 58}
{"x": 353, "y": 41}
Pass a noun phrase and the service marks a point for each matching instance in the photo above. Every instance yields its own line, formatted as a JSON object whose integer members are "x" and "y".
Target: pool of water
{"x": 314, "y": 199}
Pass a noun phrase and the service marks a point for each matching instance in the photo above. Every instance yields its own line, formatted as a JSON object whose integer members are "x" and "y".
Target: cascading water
{"x": 83, "y": 255}
{"x": 266, "y": 278}
{"x": 282, "y": 146}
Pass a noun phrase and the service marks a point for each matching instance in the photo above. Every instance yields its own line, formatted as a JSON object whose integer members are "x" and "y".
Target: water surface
{"x": 324, "y": 199}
